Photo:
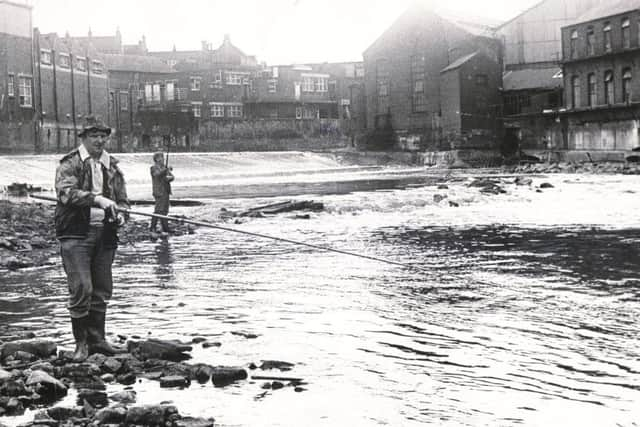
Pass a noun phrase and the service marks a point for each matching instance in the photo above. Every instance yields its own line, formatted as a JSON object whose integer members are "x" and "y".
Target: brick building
{"x": 71, "y": 83}
{"x": 17, "y": 114}
{"x": 532, "y": 81}
{"x": 601, "y": 53}
{"x": 405, "y": 69}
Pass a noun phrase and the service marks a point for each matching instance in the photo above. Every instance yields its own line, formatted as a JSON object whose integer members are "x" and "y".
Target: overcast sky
{"x": 276, "y": 31}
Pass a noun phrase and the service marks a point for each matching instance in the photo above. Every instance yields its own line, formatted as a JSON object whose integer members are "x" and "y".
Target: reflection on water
{"x": 516, "y": 321}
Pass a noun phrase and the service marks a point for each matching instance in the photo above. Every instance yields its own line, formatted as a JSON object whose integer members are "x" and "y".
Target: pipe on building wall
{"x": 55, "y": 98}
{"x": 73, "y": 99}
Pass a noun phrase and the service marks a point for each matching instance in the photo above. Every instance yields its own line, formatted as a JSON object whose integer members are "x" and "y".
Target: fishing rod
{"x": 249, "y": 233}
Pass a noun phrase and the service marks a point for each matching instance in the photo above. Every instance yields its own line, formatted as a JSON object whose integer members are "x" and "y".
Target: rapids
{"x": 527, "y": 313}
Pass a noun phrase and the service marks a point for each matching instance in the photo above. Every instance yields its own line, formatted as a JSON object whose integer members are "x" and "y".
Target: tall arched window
{"x": 591, "y": 41}
{"x": 573, "y": 44}
{"x": 606, "y": 37}
{"x": 608, "y": 87}
{"x": 575, "y": 91}
{"x": 626, "y": 85}
{"x": 626, "y": 33}
{"x": 591, "y": 90}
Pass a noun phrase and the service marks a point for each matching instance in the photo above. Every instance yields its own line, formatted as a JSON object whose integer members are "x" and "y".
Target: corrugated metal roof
{"x": 532, "y": 78}
{"x": 139, "y": 63}
{"x": 608, "y": 9}
{"x": 458, "y": 62}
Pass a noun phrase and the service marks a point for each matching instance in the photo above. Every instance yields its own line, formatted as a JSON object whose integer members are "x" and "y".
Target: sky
{"x": 275, "y": 31}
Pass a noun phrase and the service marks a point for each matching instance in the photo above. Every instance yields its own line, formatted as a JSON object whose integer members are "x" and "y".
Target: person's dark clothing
{"x": 161, "y": 177}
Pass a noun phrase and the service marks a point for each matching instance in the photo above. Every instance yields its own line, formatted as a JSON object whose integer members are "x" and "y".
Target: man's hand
{"x": 107, "y": 205}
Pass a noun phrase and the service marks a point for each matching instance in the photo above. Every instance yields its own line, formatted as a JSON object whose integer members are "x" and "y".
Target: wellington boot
{"x": 97, "y": 340}
{"x": 79, "y": 327}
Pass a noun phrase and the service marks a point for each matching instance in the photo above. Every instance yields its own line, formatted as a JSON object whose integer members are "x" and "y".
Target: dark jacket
{"x": 161, "y": 178}
{"x": 73, "y": 188}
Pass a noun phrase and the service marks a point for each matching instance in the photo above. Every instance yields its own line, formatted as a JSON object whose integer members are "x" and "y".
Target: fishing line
{"x": 249, "y": 233}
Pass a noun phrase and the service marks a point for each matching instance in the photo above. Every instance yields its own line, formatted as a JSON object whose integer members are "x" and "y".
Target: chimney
{"x": 205, "y": 45}
{"x": 227, "y": 39}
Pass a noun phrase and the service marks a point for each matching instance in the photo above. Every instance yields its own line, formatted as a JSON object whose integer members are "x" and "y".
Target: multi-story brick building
{"x": 17, "y": 114}
{"x": 416, "y": 74}
{"x": 71, "y": 83}
{"x": 601, "y": 53}
{"x": 532, "y": 82}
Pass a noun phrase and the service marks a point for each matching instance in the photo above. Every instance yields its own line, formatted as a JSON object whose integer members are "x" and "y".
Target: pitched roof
{"x": 458, "y": 62}
{"x": 532, "y": 78}
{"x": 607, "y": 9}
{"x": 139, "y": 63}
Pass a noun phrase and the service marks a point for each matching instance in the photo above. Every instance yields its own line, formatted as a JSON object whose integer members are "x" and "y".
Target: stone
{"x": 454, "y": 204}
{"x": 38, "y": 242}
{"x": 40, "y": 348}
{"x": 96, "y": 398}
{"x": 108, "y": 378}
{"x": 96, "y": 358}
{"x": 276, "y": 385}
{"x": 43, "y": 366}
{"x": 148, "y": 415}
{"x": 14, "y": 407}
{"x": 439, "y": 197}
{"x": 276, "y": 364}
{"x": 125, "y": 396}
{"x": 174, "y": 381}
{"x": 126, "y": 379}
{"x": 24, "y": 356}
{"x": 299, "y": 389}
{"x": 78, "y": 370}
{"x": 159, "y": 349}
{"x": 211, "y": 344}
{"x": 61, "y": 413}
{"x": 201, "y": 372}
{"x": 115, "y": 415}
{"x": 111, "y": 365}
{"x": 222, "y": 376}
{"x": 247, "y": 335}
{"x": 546, "y": 185}
{"x": 523, "y": 180}
{"x": 198, "y": 340}
{"x": 14, "y": 388}
{"x": 4, "y": 375}
{"x": 194, "y": 422}
{"x": 46, "y": 386}
{"x": 443, "y": 187}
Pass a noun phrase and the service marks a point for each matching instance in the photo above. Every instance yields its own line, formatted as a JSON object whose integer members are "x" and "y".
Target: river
{"x": 525, "y": 313}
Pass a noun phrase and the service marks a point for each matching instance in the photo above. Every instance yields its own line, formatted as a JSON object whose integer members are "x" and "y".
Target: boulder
{"x": 174, "y": 381}
{"x": 95, "y": 398}
{"x": 62, "y": 414}
{"x": 40, "y": 348}
{"x": 149, "y": 415}
{"x": 115, "y": 415}
{"x": 201, "y": 372}
{"x": 47, "y": 386}
{"x": 126, "y": 379}
{"x": 546, "y": 185}
{"x": 159, "y": 349}
{"x": 14, "y": 388}
{"x": 125, "y": 396}
{"x": 4, "y": 375}
{"x": 111, "y": 365}
{"x": 222, "y": 376}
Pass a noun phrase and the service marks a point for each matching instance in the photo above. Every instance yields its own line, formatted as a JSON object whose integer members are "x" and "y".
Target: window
{"x": 170, "y": 91}
{"x": 25, "y": 91}
{"x": 234, "y": 78}
{"x": 626, "y": 33}
{"x": 573, "y": 44}
{"x": 309, "y": 112}
{"x": 626, "y": 85}
{"x": 97, "y": 67}
{"x": 195, "y": 83}
{"x": 359, "y": 70}
{"x": 124, "y": 101}
{"x": 298, "y": 113}
{"x": 152, "y": 92}
{"x": 482, "y": 80}
{"x": 234, "y": 111}
{"x": 382, "y": 85}
{"x": 591, "y": 89}
{"x": 575, "y": 92}
{"x": 418, "y": 73}
{"x": 217, "y": 110}
{"x": 81, "y": 64}
{"x": 591, "y": 41}
{"x": 11, "y": 86}
{"x": 608, "y": 87}
{"x": 272, "y": 86}
{"x": 217, "y": 80}
{"x": 196, "y": 108}
{"x": 606, "y": 36}
{"x": 45, "y": 57}
{"x": 64, "y": 61}
{"x": 307, "y": 84}
{"x": 321, "y": 84}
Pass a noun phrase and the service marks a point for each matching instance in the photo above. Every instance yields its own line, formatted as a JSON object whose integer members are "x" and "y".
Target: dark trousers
{"x": 161, "y": 208}
{"x": 87, "y": 263}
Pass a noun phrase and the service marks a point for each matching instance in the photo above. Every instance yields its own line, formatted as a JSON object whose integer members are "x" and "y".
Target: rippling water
{"x": 526, "y": 312}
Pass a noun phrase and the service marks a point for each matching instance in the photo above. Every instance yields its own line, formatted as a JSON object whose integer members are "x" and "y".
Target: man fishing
{"x": 161, "y": 178}
{"x": 90, "y": 188}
